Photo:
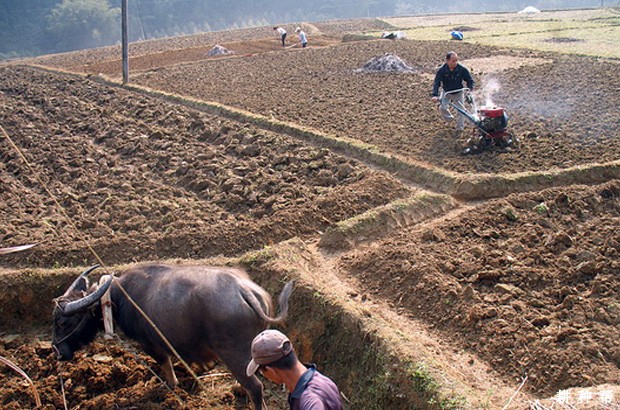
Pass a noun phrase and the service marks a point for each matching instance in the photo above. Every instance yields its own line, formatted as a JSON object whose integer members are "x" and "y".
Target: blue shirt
{"x": 315, "y": 391}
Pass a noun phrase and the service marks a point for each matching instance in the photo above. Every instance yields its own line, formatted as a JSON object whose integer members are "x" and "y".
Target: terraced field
{"x": 425, "y": 278}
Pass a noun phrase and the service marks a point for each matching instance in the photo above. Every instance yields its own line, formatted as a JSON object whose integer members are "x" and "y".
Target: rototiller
{"x": 490, "y": 122}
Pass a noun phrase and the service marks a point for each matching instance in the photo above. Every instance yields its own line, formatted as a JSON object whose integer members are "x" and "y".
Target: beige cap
{"x": 269, "y": 346}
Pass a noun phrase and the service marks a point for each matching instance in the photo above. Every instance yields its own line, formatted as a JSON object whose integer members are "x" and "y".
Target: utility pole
{"x": 125, "y": 42}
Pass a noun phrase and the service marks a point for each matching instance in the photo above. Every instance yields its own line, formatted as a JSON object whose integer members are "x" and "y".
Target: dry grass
{"x": 593, "y": 32}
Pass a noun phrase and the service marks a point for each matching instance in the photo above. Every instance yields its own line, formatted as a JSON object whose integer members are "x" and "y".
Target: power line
{"x": 140, "y": 18}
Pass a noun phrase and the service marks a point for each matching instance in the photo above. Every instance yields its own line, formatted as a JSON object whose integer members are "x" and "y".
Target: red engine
{"x": 493, "y": 120}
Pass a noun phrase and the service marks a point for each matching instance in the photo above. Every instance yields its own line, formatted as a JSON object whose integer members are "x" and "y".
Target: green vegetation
{"x": 541, "y": 208}
{"x": 76, "y": 22}
{"x": 510, "y": 213}
{"x": 33, "y": 27}
{"x": 252, "y": 259}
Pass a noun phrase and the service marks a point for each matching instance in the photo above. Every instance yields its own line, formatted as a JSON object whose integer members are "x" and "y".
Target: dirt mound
{"x": 387, "y": 63}
{"x": 352, "y": 26}
{"x": 111, "y": 375}
{"x": 218, "y": 50}
{"x": 465, "y": 28}
{"x": 309, "y": 29}
{"x": 357, "y": 37}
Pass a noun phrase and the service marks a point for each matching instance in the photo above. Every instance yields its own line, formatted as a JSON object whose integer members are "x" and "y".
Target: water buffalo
{"x": 203, "y": 311}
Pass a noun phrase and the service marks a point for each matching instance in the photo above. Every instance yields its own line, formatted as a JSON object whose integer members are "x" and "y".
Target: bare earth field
{"x": 562, "y": 122}
{"x": 156, "y": 180}
{"x": 526, "y": 285}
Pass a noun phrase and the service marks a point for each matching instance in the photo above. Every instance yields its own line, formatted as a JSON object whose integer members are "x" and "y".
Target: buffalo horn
{"x": 4, "y": 251}
{"x": 88, "y": 300}
{"x": 83, "y": 275}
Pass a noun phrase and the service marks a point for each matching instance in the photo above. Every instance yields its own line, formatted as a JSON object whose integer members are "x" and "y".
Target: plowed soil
{"x": 138, "y": 179}
{"x": 112, "y": 375}
{"x": 528, "y": 283}
{"x": 146, "y": 179}
{"x": 319, "y": 88}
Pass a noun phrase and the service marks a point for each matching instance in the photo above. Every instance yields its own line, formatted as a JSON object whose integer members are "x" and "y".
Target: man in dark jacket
{"x": 451, "y": 76}
{"x": 273, "y": 355}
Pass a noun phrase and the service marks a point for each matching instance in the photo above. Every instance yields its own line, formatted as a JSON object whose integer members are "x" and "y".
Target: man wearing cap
{"x": 274, "y": 356}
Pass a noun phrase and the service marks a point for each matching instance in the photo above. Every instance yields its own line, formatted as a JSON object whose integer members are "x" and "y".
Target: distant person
{"x": 451, "y": 76}
{"x": 280, "y": 31}
{"x": 389, "y": 35}
{"x": 303, "y": 39}
{"x": 456, "y": 35}
{"x": 274, "y": 356}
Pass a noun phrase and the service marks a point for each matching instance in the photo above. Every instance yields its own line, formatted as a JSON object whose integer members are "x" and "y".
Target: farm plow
{"x": 490, "y": 123}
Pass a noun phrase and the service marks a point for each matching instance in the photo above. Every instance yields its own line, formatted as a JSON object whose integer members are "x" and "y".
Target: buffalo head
{"x": 75, "y": 317}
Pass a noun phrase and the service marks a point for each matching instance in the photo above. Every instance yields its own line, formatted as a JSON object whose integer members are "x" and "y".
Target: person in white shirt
{"x": 303, "y": 39}
{"x": 280, "y": 31}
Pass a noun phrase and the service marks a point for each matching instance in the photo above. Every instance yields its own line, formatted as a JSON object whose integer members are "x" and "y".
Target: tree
{"x": 21, "y": 31}
{"x": 77, "y": 24}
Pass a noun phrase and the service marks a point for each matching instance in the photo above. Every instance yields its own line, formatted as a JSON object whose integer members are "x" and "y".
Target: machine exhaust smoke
{"x": 491, "y": 86}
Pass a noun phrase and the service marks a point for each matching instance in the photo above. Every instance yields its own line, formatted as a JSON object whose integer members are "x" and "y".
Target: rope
{"x": 131, "y": 350}
{"x": 159, "y": 333}
{"x": 44, "y": 186}
{"x": 62, "y": 389}
{"x": 83, "y": 238}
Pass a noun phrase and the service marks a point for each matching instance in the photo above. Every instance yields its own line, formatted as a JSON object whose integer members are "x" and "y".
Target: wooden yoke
{"x": 106, "y": 308}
